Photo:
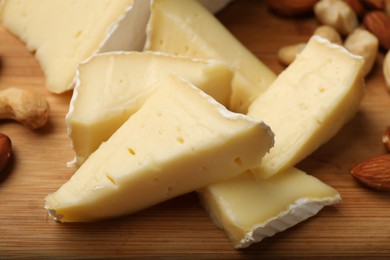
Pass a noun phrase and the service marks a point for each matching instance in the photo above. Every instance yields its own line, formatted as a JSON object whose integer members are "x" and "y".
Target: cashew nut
{"x": 338, "y": 14}
{"x": 363, "y": 43}
{"x": 328, "y": 32}
{"x": 287, "y": 54}
{"x": 24, "y": 106}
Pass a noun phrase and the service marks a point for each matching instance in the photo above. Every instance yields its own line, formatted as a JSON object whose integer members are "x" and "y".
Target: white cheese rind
{"x": 299, "y": 211}
{"x": 110, "y": 87}
{"x": 187, "y": 28}
{"x": 249, "y": 210}
{"x": 309, "y": 102}
{"x": 180, "y": 140}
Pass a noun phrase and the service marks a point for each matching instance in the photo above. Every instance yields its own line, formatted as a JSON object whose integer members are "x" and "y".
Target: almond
{"x": 356, "y": 6}
{"x": 5, "y": 151}
{"x": 378, "y": 23}
{"x": 386, "y": 69}
{"x": 291, "y": 7}
{"x": 374, "y": 172}
{"x": 387, "y": 7}
{"x": 374, "y": 4}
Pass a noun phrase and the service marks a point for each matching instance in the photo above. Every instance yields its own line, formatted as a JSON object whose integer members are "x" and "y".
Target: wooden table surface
{"x": 358, "y": 227}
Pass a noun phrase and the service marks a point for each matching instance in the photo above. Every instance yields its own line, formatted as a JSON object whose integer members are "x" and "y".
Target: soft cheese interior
{"x": 64, "y": 33}
{"x": 250, "y": 210}
{"x": 305, "y": 106}
{"x": 110, "y": 87}
{"x": 163, "y": 137}
{"x": 309, "y": 102}
{"x": 180, "y": 140}
{"x": 187, "y": 28}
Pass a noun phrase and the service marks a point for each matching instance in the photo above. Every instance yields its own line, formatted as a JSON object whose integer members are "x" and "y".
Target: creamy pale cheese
{"x": 64, "y": 33}
{"x": 249, "y": 210}
{"x": 180, "y": 140}
{"x": 187, "y": 28}
{"x": 309, "y": 102}
{"x": 110, "y": 87}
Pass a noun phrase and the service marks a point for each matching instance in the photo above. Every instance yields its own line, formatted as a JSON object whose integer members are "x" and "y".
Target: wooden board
{"x": 358, "y": 227}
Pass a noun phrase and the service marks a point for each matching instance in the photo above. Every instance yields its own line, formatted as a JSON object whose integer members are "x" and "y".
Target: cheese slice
{"x": 180, "y": 140}
{"x": 249, "y": 210}
{"x": 64, "y": 33}
{"x": 112, "y": 86}
{"x": 187, "y": 28}
{"x": 309, "y": 102}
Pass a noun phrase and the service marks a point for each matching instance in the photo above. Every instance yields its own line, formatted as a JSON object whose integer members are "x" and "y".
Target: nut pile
{"x": 361, "y": 26}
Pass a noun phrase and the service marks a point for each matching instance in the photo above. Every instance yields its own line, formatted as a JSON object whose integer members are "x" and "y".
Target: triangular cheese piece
{"x": 187, "y": 28}
{"x": 179, "y": 141}
{"x": 110, "y": 87}
{"x": 249, "y": 210}
{"x": 64, "y": 33}
{"x": 309, "y": 102}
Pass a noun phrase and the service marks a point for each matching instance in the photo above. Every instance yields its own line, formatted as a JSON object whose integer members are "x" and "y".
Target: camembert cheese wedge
{"x": 64, "y": 33}
{"x": 309, "y": 102}
{"x": 249, "y": 210}
{"x": 179, "y": 141}
{"x": 187, "y": 28}
{"x": 110, "y": 87}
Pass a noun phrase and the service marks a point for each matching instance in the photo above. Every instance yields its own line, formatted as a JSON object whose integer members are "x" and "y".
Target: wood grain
{"x": 358, "y": 227}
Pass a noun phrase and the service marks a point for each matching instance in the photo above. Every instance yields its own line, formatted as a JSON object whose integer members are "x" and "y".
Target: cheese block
{"x": 64, "y": 33}
{"x": 309, "y": 102}
{"x": 187, "y": 28}
{"x": 179, "y": 141}
{"x": 110, "y": 87}
{"x": 249, "y": 210}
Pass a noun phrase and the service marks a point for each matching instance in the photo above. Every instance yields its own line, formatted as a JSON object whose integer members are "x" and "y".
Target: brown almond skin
{"x": 291, "y": 8}
{"x": 5, "y": 151}
{"x": 378, "y": 23}
{"x": 373, "y": 4}
{"x": 357, "y": 7}
{"x": 374, "y": 172}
